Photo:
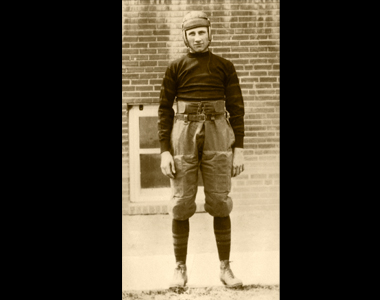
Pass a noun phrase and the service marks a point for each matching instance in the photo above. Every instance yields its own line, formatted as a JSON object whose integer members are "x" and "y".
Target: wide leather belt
{"x": 199, "y": 117}
{"x": 198, "y": 107}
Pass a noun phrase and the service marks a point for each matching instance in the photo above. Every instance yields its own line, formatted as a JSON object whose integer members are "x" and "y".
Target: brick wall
{"x": 244, "y": 31}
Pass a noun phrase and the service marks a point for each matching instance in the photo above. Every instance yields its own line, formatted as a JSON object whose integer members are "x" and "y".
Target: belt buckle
{"x": 203, "y": 116}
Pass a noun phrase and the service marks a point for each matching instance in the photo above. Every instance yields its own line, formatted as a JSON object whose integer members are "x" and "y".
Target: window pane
{"x": 151, "y": 175}
{"x": 148, "y": 132}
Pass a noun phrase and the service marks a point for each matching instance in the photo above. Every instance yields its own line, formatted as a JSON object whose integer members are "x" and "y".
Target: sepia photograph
{"x": 200, "y": 149}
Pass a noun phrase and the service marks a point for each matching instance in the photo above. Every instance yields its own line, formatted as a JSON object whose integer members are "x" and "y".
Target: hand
{"x": 237, "y": 162}
{"x": 167, "y": 164}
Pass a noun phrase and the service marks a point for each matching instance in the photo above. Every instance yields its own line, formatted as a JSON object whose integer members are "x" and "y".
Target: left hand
{"x": 237, "y": 162}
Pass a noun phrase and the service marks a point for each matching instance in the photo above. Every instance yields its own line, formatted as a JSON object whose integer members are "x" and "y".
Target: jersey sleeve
{"x": 235, "y": 106}
{"x": 165, "y": 109}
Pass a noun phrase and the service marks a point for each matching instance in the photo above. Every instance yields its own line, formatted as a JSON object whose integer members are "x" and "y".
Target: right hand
{"x": 167, "y": 164}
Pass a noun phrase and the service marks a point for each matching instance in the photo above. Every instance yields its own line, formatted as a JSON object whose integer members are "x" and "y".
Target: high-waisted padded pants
{"x": 205, "y": 145}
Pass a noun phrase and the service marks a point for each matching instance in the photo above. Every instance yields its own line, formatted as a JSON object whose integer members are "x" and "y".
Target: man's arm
{"x": 165, "y": 109}
{"x": 165, "y": 122}
{"x": 235, "y": 106}
{"x": 167, "y": 164}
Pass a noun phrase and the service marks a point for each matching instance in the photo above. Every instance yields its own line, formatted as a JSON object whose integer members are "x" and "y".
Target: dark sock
{"x": 222, "y": 230}
{"x": 180, "y": 231}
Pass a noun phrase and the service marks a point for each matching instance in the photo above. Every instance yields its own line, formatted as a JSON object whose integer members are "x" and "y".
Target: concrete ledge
{"x": 154, "y": 208}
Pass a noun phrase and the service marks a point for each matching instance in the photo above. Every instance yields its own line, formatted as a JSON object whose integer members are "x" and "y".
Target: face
{"x": 198, "y": 39}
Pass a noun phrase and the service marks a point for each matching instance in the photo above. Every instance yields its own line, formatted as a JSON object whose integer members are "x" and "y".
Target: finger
{"x": 173, "y": 167}
{"x": 166, "y": 172}
{"x": 169, "y": 173}
{"x": 233, "y": 171}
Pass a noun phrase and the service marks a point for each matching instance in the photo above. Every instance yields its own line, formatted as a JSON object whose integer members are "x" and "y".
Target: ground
{"x": 249, "y": 292}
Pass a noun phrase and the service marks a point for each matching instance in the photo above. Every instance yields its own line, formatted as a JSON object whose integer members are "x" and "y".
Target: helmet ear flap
{"x": 184, "y": 37}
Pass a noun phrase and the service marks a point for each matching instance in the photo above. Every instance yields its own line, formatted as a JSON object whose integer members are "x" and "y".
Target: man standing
{"x": 207, "y": 133}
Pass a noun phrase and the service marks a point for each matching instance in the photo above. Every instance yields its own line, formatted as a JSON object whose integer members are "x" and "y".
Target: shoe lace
{"x": 228, "y": 270}
{"x": 181, "y": 269}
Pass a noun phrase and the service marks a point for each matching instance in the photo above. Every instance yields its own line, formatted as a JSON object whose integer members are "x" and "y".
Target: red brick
{"x": 134, "y": 70}
{"x": 147, "y": 39}
{"x": 263, "y": 67}
{"x": 145, "y": 14}
{"x": 263, "y": 85}
{"x": 249, "y": 79}
{"x": 220, "y": 13}
{"x": 268, "y": 79}
{"x": 231, "y": 55}
{"x": 131, "y": 63}
{"x": 150, "y": 94}
{"x": 242, "y": 74}
{"x": 128, "y": 88}
{"x": 148, "y": 76}
{"x": 146, "y": 26}
{"x": 144, "y": 88}
{"x": 131, "y": 94}
{"x": 273, "y": 73}
{"x": 224, "y": 31}
{"x": 148, "y": 63}
{"x": 139, "y": 45}
{"x": 219, "y": 50}
{"x": 241, "y": 13}
{"x": 249, "y": 43}
{"x": 239, "y": 25}
{"x": 131, "y": 76}
{"x": 130, "y": 39}
{"x": 258, "y": 73}
{"x": 157, "y": 45}
{"x": 240, "y": 37}
{"x": 130, "y": 51}
{"x": 147, "y": 51}
{"x": 140, "y": 81}
{"x": 268, "y": 91}
{"x": 160, "y": 69}
{"x": 162, "y": 38}
{"x": 161, "y": 32}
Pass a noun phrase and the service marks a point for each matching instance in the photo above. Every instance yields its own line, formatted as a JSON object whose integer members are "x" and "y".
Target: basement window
{"x": 147, "y": 183}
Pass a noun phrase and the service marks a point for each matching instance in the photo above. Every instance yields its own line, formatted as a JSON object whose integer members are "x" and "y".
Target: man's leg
{"x": 222, "y": 231}
{"x": 185, "y": 140}
{"x": 180, "y": 231}
{"x": 216, "y": 171}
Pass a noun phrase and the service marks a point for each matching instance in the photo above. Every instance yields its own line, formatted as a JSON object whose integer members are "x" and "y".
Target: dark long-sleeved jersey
{"x": 200, "y": 77}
